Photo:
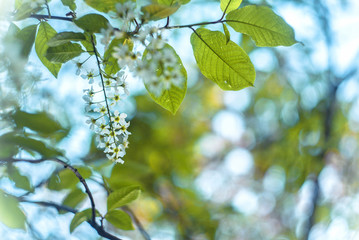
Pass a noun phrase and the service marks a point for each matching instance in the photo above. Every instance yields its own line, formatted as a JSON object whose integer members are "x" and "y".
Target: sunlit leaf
{"x": 65, "y": 37}
{"x": 74, "y": 198}
{"x": 105, "y": 5}
{"x": 119, "y": 219}
{"x": 24, "y": 11}
{"x": 27, "y": 38}
{"x": 92, "y": 23}
{"x": 31, "y": 144}
{"x": 40, "y": 122}
{"x": 64, "y": 52}
{"x": 19, "y": 180}
{"x": 81, "y": 217}
{"x": 171, "y": 98}
{"x": 263, "y": 25}
{"x": 88, "y": 42}
{"x": 45, "y": 33}
{"x": 66, "y": 179}
{"x": 226, "y": 33}
{"x": 233, "y": 4}
{"x": 111, "y": 63}
{"x": 10, "y": 213}
{"x": 70, "y": 3}
{"x": 159, "y": 11}
{"x": 122, "y": 197}
{"x": 224, "y": 63}
{"x": 172, "y": 2}
{"x": 7, "y": 149}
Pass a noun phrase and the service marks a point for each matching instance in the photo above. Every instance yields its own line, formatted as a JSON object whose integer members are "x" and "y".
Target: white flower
{"x": 89, "y": 76}
{"x": 107, "y": 34}
{"x": 115, "y": 151}
{"x": 92, "y": 122}
{"x": 101, "y": 109}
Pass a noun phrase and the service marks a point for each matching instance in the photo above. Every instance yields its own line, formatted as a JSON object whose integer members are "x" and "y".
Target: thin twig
{"x": 42, "y": 17}
{"x": 100, "y": 230}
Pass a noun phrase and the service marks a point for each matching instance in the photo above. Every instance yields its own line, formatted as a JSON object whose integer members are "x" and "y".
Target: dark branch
{"x": 100, "y": 230}
{"x": 43, "y": 17}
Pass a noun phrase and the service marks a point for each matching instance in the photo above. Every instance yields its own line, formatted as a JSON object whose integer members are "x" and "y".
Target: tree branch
{"x": 43, "y": 17}
{"x": 100, "y": 230}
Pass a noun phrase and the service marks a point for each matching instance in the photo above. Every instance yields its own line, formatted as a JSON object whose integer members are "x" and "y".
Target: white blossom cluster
{"x": 159, "y": 67}
{"x": 110, "y": 125}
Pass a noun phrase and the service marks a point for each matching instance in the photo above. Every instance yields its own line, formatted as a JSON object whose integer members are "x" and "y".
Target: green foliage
{"x": 30, "y": 144}
{"x": 74, "y": 198}
{"x": 173, "y": 2}
{"x": 24, "y": 11}
{"x": 226, "y": 33}
{"x": 122, "y": 197}
{"x": 20, "y": 180}
{"x": 111, "y": 64}
{"x": 64, "y": 52}
{"x": 265, "y": 27}
{"x": 230, "y": 5}
{"x": 40, "y": 122}
{"x": 66, "y": 179}
{"x": 225, "y": 64}
{"x": 10, "y": 213}
{"x": 158, "y": 11}
{"x": 119, "y": 219}
{"x": 171, "y": 98}
{"x": 70, "y": 3}
{"x": 27, "y": 38}
{"x": 104, "y": 5}
{"x": 65, "y": 37}
{"x": 81, "y": 217}
{"x": 45, "y": 33}
{"x": 92, "y": 23}
{"x": 165, "y": 165}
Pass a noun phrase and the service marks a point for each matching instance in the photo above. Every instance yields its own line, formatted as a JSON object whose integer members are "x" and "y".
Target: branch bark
{"x": 100, "y": 229}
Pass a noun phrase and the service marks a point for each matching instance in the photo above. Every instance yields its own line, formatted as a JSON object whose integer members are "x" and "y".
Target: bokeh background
{"x": 275, "y": 161}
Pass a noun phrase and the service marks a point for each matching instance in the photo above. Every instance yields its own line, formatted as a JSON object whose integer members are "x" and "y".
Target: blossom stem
{"x": 103, "y": 85}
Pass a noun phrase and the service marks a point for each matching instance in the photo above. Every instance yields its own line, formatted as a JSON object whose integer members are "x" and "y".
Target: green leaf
{"x": 11, "y": 31}
{"x": 172, "y": 98}
{"x": 122, "y": 197}
{"x": 19, "y": 180}
{"x": 226, "y": 33}
{"x": 92, "y": 23}
{"x": 88, "y": 44}
{"x": 45, "y": 33}
{"x": 111, "y": 64}
{"x": 31, "y": 144}
{"x": 64, "y": 52}
{"x": 70, "y": 3}
{"x": 39, "y": 122}
{"x": 27, "y": 38}
{"x": 24, "y": 11}
{"x": 232, "y": 5}
{"x": 105, "y": 5}
{"x": 225, "y": 64}
{"x": 265, "y": 27}
{"x": 159, "y": 11}
{"x": 81, "y": 217}
{"x": 10, "y": 213}
{"x": 7, "y": 148}
{"x": 172, "y": 2}
{"x": 66, "y": 179}
{"x": 119, "y": 219}
{"x": 65, "y": 37}
{"x": 75, "y": 197}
